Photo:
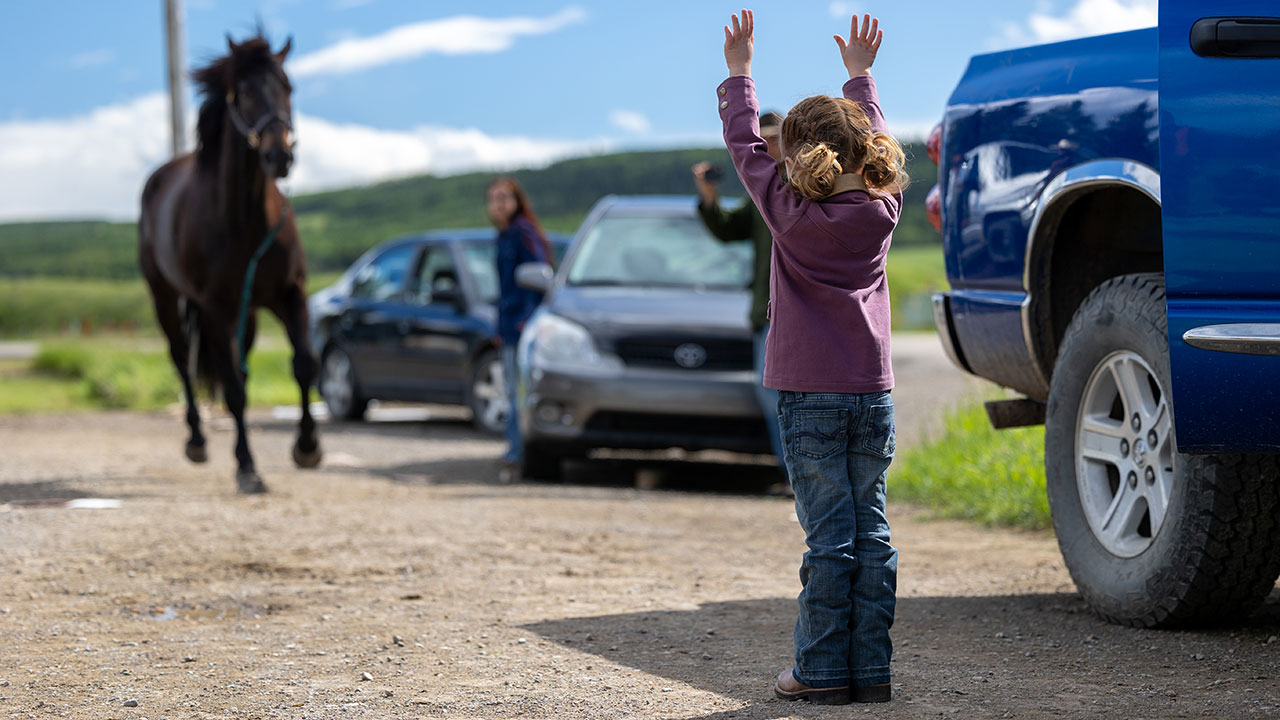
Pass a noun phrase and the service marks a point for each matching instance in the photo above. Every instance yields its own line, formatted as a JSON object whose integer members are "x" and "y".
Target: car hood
{"x": 619, "y": 311}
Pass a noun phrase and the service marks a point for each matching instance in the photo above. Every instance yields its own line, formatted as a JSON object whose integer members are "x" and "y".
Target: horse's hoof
{"x": 197, "y": 453}
{"x": 248, "y": 483}
{"x": 306, "y": 459}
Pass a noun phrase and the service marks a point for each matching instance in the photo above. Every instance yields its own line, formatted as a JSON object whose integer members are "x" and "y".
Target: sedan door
{"x": 437, "y": 336}
{"x": 1220, "y": 188}
{"x": 369, "y": 328}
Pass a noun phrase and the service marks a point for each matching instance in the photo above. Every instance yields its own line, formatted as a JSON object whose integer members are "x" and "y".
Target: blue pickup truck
{"x": 1110, "y": 213}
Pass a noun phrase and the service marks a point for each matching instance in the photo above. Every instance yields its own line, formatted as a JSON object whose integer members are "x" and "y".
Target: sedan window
{"x": 659, "y": 250}
{"x": 437, "y": 277}
{"x": 481, "y": 260}
{"x": 383, "y": 278}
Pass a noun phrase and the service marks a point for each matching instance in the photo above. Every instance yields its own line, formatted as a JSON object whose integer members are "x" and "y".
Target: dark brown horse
{"x": 217, "y": 240}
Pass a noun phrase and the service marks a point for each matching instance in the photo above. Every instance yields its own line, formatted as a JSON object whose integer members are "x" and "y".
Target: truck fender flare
{"x": 1057, "y": 196}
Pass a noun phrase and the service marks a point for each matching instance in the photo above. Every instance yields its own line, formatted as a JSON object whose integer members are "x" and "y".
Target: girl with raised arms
{"x": 832, "y": 214}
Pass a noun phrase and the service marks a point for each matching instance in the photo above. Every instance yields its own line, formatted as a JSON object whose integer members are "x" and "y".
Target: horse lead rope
{"x": 249, "y": 273}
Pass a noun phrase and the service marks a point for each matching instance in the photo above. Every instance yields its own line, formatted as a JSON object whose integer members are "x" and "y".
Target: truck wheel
{"x": 1151, "y": 537}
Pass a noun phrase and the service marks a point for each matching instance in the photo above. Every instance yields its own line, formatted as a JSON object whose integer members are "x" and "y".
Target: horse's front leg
{"x": 292, "y": 311}
{"x": 233, "y": 390}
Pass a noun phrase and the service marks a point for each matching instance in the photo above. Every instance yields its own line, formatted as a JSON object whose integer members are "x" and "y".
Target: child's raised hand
{"x": 859, "y": 53}
{"x": 738, "y": 44}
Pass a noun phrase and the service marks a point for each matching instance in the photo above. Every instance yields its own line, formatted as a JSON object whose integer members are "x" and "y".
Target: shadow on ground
{"x": 725, "y": 473}
{"x": 37, "y": 493}
{"x": 962, "y": 655}
{"x": 653, "y": 473}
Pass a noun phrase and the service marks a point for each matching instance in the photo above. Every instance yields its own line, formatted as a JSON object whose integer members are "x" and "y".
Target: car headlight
{"x": 554, "y": 341}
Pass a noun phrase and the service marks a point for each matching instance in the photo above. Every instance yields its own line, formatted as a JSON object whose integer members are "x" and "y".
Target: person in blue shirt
{"x": 520, "y": 240}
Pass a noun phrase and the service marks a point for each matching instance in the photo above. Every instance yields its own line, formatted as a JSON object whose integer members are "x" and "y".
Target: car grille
{"x": 700, "y": 354}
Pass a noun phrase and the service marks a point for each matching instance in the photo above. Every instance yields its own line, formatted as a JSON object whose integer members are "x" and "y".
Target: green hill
{"x": 338, "y": 226}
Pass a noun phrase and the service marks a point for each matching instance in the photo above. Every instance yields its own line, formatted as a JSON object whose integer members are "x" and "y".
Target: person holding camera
{"x": 742, "y": 224}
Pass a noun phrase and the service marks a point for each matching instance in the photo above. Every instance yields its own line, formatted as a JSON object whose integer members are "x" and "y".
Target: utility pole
{"x": 177, "y": 86}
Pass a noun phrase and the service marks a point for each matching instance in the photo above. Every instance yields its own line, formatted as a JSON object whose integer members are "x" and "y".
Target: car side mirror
{"x": 535, "y": 276}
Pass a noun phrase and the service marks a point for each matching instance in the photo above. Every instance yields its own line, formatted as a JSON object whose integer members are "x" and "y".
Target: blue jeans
{"x": 767, "y": 397}
{"x": 514, "y": 448}
{"x": 838, "y": 449}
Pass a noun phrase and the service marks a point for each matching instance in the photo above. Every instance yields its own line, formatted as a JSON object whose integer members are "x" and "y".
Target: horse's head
{"x": 256, "y": 93}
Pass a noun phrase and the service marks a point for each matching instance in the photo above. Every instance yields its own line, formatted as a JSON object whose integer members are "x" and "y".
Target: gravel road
{"x": 401, "y": 580}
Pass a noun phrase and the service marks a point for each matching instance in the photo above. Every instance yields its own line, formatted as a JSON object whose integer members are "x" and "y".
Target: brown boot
{"x": 788, "y": 688}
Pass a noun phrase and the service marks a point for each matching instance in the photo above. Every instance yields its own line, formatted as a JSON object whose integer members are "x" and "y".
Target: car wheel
{"x": 338, "y": 386}
{"x": 539, "y": 462}
{"x": 1151, "y": 537}
{"x": 487, "y": 396}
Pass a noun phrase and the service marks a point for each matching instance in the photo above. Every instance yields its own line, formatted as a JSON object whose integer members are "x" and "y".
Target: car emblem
{"x": 691, "y": 355}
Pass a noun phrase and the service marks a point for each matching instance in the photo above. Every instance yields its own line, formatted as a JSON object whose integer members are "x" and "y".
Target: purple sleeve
{"x": 862, "y": 90}
{"x": 739, "y": 111}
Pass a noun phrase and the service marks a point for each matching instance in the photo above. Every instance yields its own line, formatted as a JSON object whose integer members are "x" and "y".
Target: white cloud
{"x": 91, "y": 165}
{"x": 92, "y": 58}
{"x": 845, "y": 9}
{"x": 336, "y": 155}
{"x": 1086, "y": 17}
{"x": 912, "y": 130}
{"x": 94, "y": 165}
{"x": 631, "y": 121}
{"x": 461, "y": 35}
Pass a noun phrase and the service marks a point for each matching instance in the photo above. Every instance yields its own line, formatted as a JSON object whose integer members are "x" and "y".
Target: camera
{"x": 713, "y": 174}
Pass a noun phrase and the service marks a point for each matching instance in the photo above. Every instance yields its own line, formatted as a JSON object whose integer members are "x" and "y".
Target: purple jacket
{"x": 829, "y": 298}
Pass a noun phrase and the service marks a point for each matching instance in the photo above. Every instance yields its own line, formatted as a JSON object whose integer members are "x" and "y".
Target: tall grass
{"x": 972, "y": 472}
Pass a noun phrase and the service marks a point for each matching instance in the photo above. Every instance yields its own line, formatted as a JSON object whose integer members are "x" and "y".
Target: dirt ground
{"x": 401, "y": 580}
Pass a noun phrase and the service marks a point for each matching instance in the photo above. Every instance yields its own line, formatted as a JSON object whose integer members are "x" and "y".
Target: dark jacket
{"x": 740, "y": 224}
{"x": 518, "y": 244}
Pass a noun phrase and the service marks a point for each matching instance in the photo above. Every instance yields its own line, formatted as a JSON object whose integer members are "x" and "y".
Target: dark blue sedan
{"x": 414, "y": 320}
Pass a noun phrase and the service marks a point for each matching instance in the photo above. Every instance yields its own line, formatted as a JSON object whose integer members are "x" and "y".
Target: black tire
{"x": 487, "y": 394}
{"x": 338, "y": 387}
{"x": 1211, "y": 557}
{"x": 541, "y": 463}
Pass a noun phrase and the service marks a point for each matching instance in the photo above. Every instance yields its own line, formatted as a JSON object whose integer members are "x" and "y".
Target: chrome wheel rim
{"x": 489, "y": 396}
{"x": 335, "y": 382}
{"x": 1124, "y": 454}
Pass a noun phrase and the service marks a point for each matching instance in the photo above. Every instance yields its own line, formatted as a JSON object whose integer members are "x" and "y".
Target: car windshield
{"x": 659, "y": 250}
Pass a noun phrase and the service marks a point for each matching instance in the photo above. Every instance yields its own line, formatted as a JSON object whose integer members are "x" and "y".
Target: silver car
{"x": 643, "y": 341}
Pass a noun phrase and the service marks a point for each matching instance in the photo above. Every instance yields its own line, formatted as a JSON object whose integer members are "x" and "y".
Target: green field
{"x": 52, "y": 306}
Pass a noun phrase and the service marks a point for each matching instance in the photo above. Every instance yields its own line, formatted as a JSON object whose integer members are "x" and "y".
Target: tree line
{"x": 338, "y": 226}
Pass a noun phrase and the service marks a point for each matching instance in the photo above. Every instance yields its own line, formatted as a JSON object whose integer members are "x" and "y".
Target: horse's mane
{"x": 217, "y": 78}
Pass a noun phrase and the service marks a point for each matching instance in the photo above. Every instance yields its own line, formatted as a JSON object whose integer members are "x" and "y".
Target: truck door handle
{"x": 1239, "y": 37}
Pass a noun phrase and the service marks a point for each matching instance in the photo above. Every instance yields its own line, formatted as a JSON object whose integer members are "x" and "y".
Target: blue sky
{"x": 387, "y": 88}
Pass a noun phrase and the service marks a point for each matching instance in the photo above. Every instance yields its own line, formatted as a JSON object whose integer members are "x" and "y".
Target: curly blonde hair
{"x": 833, "y": 136}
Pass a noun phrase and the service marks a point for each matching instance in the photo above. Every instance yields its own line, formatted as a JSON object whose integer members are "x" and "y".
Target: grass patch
{"x": 107, "y": 373}
{"x": 972, "y": 472}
